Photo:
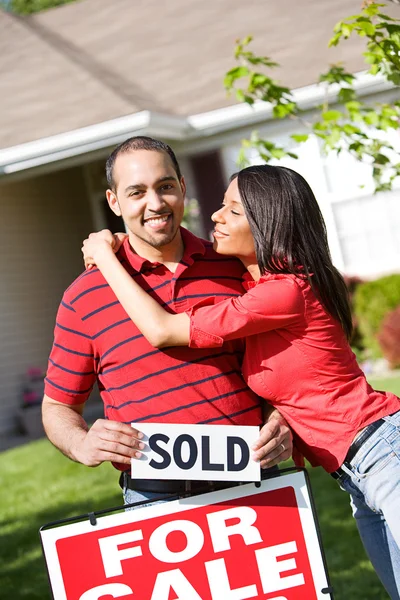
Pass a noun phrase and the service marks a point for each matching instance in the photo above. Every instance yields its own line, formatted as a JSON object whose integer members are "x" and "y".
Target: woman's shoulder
{"x": 296, "y": 283}
{"x": 283, "y": 290}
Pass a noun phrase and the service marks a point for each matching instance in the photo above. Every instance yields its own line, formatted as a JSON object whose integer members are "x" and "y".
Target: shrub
{"x": 389, "y": 337}
{"x": 373, "y": 300}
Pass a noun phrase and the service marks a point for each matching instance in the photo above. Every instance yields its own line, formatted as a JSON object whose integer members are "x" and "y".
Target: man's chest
{"x": 117, "y": 340}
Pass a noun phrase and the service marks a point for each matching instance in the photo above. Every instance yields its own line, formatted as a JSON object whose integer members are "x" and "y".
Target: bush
{"x": 389, "y": 337}
{"x": 373, "y": 300}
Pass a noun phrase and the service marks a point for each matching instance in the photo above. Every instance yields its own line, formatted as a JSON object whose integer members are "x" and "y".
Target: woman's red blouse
{"x": 297, "y": 357}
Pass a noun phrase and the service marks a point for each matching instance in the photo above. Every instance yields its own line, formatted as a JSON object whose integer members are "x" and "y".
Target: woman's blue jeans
{"x": 372, "y": 478}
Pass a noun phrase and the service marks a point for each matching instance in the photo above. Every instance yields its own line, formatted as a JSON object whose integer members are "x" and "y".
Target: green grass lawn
{"x": 390, "y": 384}
{"x": 39, "y": 485}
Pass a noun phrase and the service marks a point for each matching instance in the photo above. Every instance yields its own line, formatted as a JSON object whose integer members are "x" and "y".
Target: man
{"x": 95, "y": 340}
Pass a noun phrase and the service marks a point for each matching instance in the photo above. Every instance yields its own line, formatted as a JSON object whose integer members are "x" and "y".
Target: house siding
{"x": 43, "y": 221}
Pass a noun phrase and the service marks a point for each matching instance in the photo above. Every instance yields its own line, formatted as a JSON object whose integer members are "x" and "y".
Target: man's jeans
{"x": 373, "y": 482}
{"x": 132, "y": 496}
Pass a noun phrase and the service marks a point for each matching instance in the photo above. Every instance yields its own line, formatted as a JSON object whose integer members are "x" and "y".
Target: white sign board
{"x": 197, "y": 452}
{"x": 242, "y": 542}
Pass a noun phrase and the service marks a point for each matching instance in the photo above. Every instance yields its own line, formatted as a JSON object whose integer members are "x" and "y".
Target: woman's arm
{"x": 158, "y": 326}
{"x": 274, "y": 304}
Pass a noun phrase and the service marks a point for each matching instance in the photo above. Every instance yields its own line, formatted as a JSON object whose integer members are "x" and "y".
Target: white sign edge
{"x": 248, "y": 433}
{"x": 295, "y": 480}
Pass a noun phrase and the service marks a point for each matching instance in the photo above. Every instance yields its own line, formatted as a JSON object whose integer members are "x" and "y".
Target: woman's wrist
{"x": 103, "y": 254}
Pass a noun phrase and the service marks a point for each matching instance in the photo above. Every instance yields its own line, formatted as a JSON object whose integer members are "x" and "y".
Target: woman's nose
{"x": 217, "y": 216}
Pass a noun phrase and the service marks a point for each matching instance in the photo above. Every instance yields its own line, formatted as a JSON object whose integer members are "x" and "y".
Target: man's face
{"x": 148, "y": 196}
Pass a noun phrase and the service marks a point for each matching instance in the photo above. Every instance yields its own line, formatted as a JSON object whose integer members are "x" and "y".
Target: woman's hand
{"x": 100, "y": 244}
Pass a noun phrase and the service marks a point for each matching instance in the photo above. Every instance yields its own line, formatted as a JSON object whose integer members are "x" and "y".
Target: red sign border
{"x": 297, "y": 478}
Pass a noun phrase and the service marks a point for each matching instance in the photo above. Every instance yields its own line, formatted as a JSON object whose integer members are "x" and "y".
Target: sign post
{"x": 251, "y": 541}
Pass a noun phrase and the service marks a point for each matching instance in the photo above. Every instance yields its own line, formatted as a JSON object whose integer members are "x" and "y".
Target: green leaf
{"x": 258, "y": 80}
{"x": 381, "y": 159}
{"x": 370, "y": 57}
{"x": 266, "y": 144}
{"x": 367, "y": 27}
{"x": 246, "y": 41}
{"x": 300, "y": 137}
{"x": 233, "y": 74}
{"x": 350, "y": 129}
{"x": 239, "y": 95}
{"x": 389, "y": 111}
{"x": 331, "y": 115}
{"x": 394, "y": 78}
{"x": 356, "y": 147}
{"x": 278, "y": 153}
{"x": 346, "y": 95}
{"x": 386, "y": 17}
{"x": 337, "y": 74}
{"x": 353, "y": 105}
{"x": 242, "y": 160}
{"x": 374, "y": 70}
{"x": 334, "y": 40}
{"x": 281, "y": 111}
{"x": 320, "y": 126}
{"x": 249, "y": 100}
{"x": 262, "y": 60}
{"x": 372, "y": 9}
{"x": 338, "y": 27}
{"x": 392, "y": 28}
{"x": 371, "y": 118}
{"x": 333, "y": 138}
{"x": 347, "y": 29}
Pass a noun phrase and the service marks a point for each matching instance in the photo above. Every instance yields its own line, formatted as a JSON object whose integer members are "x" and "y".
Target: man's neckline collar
{"x": 191, "y": 243}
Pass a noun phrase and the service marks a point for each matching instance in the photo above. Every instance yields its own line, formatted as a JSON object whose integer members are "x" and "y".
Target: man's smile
{"x": 157, "y": 221}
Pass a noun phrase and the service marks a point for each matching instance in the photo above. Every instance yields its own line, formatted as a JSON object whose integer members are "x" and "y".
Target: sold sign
{"x": 197, "y": 452}
{"x": 234, "y": 544}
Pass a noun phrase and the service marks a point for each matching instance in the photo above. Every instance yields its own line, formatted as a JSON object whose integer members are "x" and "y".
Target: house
{"x": 78, "y": 79}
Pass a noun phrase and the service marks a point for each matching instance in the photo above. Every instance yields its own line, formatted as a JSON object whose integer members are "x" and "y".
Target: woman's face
{"x": 232, "y": 234}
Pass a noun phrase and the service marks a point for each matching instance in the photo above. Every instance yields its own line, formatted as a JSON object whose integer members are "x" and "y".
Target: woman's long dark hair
{"x": 290, "y": 234}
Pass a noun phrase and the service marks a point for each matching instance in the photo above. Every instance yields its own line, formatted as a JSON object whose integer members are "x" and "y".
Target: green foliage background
{"x": 27, "y": 7}
{"x": 372, "y": 301}
{"x": 344, "y": 122}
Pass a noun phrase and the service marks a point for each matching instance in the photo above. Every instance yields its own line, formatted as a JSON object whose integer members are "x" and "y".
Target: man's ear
{"x": 183, "y": 186}
{"x": 113, "y": 202}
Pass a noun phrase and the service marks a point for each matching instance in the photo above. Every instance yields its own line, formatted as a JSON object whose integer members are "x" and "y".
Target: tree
{"x": 27, "y": 7}
{"x": 354, "y": 126}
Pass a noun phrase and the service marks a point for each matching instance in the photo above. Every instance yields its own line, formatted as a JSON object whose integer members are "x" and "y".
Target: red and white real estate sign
{"x": 239, "y": 543}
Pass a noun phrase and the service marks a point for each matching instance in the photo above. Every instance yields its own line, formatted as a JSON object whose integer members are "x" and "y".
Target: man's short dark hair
{"x": 139, "y": 142}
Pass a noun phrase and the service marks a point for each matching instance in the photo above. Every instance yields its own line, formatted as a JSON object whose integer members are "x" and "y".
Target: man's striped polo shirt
{"x": 95, "y": 339}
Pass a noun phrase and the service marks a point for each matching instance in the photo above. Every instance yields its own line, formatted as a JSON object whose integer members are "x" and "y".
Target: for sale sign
{"x": 202, "y": 452}
{"x": 239, "y": 543}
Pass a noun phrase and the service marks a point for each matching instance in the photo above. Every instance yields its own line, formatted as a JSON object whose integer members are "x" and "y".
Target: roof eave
{"x": 308, "y": 97}
{"x": 110, "y": 133}
{"x": 88, "y": 139}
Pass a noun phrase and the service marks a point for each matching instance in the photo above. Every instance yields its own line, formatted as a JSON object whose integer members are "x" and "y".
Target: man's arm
{"x": 104, "y": 441}
{"x": 275, "y": 443}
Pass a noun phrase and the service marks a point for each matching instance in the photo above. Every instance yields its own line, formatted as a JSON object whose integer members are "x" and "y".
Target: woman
{"x": 296, "y": 317}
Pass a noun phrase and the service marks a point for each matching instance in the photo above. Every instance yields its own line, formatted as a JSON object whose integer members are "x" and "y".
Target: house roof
{"x": 95, "y": 60}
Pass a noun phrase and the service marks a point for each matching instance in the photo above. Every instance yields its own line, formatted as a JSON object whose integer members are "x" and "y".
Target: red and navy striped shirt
{"x": 94, "y": 339}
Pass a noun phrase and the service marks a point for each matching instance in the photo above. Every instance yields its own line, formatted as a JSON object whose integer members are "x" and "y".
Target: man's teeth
{"x": 156, "y": 220}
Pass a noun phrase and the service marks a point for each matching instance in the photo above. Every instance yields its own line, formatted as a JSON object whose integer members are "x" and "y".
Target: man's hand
{"x": 275, "y": 443}
{"x": 99, "y": 242}
{"x": 109, "y": 441}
